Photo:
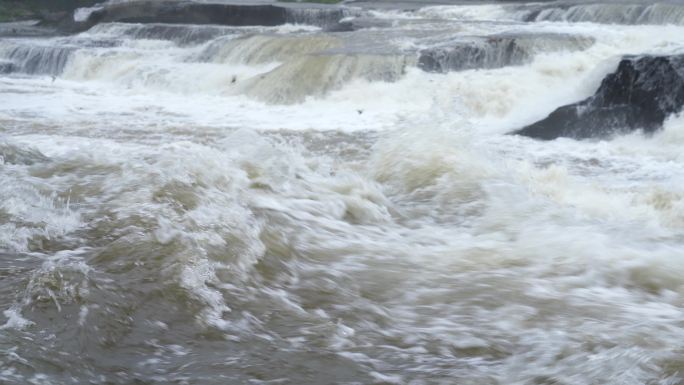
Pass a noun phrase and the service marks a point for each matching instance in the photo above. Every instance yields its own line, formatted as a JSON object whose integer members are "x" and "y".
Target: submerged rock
{"x": 11, "y": 153}
{"x": 640, "y": 94}
{"x": 6, "y": 67}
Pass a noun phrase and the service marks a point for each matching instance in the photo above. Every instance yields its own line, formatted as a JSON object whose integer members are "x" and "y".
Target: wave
{"x": 186, "y": 203}
{"x": 13, "y": 153}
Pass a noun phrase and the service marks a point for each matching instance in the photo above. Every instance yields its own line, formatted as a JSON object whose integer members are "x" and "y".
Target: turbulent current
{"x": 298, "y": 204}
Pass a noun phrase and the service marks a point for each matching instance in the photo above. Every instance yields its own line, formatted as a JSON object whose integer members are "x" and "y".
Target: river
{"x": 203, "y": 204}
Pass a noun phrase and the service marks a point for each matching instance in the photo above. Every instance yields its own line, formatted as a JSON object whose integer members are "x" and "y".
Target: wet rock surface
{"x": 495, "y": 51}
{"x": 640, "y": 94}
{"x": 188, "y": 12}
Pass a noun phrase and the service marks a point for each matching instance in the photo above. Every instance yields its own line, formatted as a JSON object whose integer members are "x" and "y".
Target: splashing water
{"x": 285, "y": 205}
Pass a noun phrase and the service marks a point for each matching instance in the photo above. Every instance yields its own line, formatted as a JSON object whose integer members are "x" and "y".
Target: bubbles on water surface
{"x": 382, "y": 231}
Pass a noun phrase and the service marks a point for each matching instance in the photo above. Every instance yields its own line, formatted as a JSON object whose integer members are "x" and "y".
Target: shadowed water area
{"x": 337, "y": 200}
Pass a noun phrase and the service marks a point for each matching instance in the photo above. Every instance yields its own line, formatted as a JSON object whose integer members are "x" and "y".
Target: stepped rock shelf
{"x": 189, "y": 12}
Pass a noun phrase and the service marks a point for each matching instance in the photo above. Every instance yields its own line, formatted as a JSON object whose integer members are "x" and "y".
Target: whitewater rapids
{"x": 288, "y": 205}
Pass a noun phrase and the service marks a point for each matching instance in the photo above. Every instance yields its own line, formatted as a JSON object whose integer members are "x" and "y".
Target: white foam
{"x": 426, "y": 235}
{"x": 15, "y": 320}
{"x": 82, "y": 14}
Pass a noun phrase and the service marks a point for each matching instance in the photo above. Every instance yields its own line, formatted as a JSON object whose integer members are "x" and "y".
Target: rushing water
{"x": 221, "y": 205}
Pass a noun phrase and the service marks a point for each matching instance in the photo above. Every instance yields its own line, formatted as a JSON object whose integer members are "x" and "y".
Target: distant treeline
{"x": 31, "y": 9}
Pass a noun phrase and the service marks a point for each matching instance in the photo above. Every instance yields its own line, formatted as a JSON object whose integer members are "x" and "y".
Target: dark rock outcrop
{"x": 496, "y": 51}
{"x": 640, "y": 94}
{"x": 188, "y": 12}
{"x": 22, "y": 10}
{"x": 477, "y": 53}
